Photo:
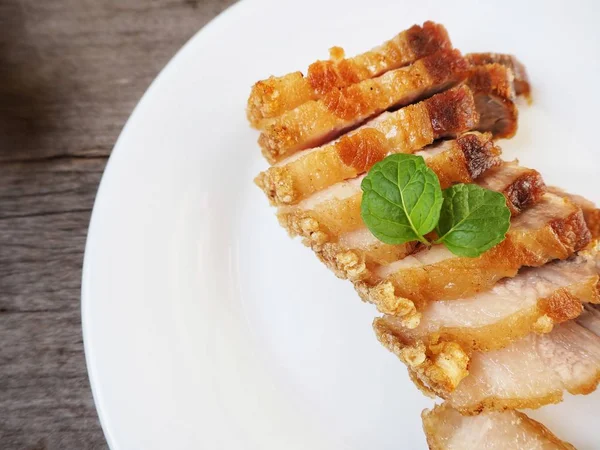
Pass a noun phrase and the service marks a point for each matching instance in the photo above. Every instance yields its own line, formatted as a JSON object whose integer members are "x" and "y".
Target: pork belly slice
{"x": 530, "y": 373}
{"x": 272, "y": 97}
{"x": 446, "y": 429}
{"x": 590, "y": 212}
{"x": 522, "y": 187}
{"x": 407, "y": 130}
{"x": 521, "y": 83}
{"x": 533, "y": 301}
{"x": 333, "y": 215}
{"x": 336, "y": 209}
{"x": 552, "y": 229}
{"x": 318, "y": 121}
{"x": 493, "y": 88}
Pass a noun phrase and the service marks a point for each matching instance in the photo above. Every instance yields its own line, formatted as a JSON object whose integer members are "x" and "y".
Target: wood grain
{"x": 71, "y": 71}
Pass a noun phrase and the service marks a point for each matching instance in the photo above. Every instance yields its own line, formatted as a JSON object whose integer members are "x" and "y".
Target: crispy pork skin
{"x": 531, "y": 372}
{"x": 590, "y": 211}
{"x": 330, "y": 220}
{"x": 336, "y": 209}
{"x": 405, "y": 131}
{"x": 318, "y": 121}
{"x": 552, "y": 229}
{"x": 521, "y": 186}
{"x": 446, "y": 429}
{"x": 522, "y": 85}
{"x": 272, "y": 97}
{"x": 533, "y": 301}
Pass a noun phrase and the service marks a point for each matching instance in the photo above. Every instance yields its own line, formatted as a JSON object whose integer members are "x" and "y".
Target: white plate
{"x": 205, "y": 326}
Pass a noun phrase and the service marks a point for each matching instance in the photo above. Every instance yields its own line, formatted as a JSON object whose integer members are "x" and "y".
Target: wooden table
{"x": 71, "y": 72}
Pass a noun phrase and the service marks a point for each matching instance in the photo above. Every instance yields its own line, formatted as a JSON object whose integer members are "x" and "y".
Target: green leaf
{"x": 472, "y": 220}
{"x": 401, "y": 200}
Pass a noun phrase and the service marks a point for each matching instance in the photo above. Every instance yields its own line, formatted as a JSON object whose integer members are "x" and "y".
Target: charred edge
{"x": 572, "y": 231}
{"x": 521, "y": 83}
{"x": 427, "y": 39}
{"x": 445, "y": 65}
{"x": 480, "y": 153}
{"x": 525, "y": 191}
{"x": 452, "y": 112}
{"x": 492, "y": 79}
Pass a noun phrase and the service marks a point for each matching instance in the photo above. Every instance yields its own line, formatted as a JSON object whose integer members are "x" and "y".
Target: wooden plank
{"x": 71, "y": 71}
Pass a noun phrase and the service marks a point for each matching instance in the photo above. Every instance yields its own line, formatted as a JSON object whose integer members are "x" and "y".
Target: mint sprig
{"x": 403, "y": 201}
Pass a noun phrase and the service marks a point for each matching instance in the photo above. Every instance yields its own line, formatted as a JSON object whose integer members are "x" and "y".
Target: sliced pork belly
{"x": 333, "y": 215}
{"x": 493, "y": 87}
{"x": 552, "y": 229}
{"x": 337, "y": 208}
{"x": 521, "y": 186}
{"x": 522, "y": 86}
{"x": 405, "y": 131}
{"x": 446, "y": 429}
{"x": 533, "y": 301}
{"x": 272, "y": 97}
{"x": 318, "y": 121}
{"x": 590, "y": 212}
{"x": 531, "y": 372}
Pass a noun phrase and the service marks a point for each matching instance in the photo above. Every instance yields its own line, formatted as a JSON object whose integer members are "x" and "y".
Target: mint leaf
{"x": 472, "y": 220}
{"x": 401, "y": 200}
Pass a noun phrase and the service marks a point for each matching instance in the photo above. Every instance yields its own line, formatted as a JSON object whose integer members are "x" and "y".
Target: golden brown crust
{"x": 522, "y": 86}
{"x": 492, "y": 85}
{"x": 480, "y": 154}
{"x": 446, "y": 119}
{"x": 460, "y": 277}
{"x": 562, "y": 305}
{"x": 404, "y": 131}
{"x": 336, "y": 216}
{"x": 272, "y": 97}
{"x": 440, "y": 424}
{"x": 439, "y": 367}
{"x": 333, "y": 217}
{"x": 319, "y": 121}
{"x": 590, "y": 212}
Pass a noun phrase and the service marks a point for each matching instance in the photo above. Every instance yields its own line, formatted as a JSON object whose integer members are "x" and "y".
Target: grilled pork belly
{"x": 534, "y": 301}
{"x": 318, "y": 121}
{"x": 521, "y": 82}
{"x": 336, "y": 209}
{"x": 552, "y": 229}
{"x": 272, "y": 97}
{"x": 521, "y": 186}
{"x": 531, "y": 372}
{"x": 330, "y": 221}
{"x": 493, "y": 88}
{"x": 446, "y": 429}
{"x": 404, "y": 131}
{"x": 590, "y": 212}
